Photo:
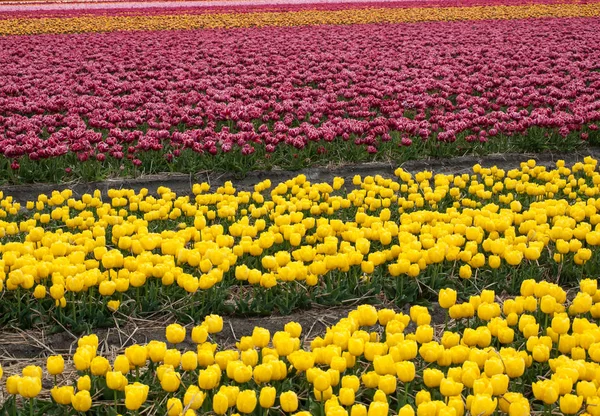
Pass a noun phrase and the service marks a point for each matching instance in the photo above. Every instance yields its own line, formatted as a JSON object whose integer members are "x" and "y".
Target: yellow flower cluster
{"x": 528, "y": 353}
{"x": 61, "y": 247}
{"x": 29, "y": 26}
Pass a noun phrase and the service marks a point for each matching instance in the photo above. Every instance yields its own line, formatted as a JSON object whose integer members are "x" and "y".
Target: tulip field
{"x": 427, "y": 292}
{"x": 91, "y": 106}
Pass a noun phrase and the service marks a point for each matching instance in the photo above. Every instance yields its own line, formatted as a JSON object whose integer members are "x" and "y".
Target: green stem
{"x": 14, "y": 406}
{"x": 137, "y": 298}
{"x": 19, "y": 302}
{"x": 399, "y": 287}
{"x": 73, "y": 305}
{"x": 31, "y": 406}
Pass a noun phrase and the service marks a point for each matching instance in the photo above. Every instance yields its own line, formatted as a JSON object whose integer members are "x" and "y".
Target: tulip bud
{"x": 267, "y": 397}
{"x": 55, "y": 364}
{"x": 447, "y": 298}
{"x": 62, "y": 395}
{"x": 28, "y": 387}
{"x": 170, "y": 381}
{"x": 84, "y": 383}
{"x": 136, "y": 354}
{"x": 82, "y": 401}
{"x": 174, "y": 407}
{"x": 483, "y": 405}
{"x": 194, "y": 397}
{"x": 246, "y": 401}
{"x": 288, "y": 401}
{"x": 135, "y": 395}
{"x": 570, "y": 404}
{"x": 175, "y": 333}
{"x": 220, "y": 403}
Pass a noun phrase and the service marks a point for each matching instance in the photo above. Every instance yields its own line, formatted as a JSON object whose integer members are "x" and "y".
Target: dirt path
{"x": 182, "y": 183}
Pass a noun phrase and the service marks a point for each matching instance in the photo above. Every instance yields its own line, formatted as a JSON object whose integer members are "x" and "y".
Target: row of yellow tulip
{"x": 104, "y": 23}
{"x": 530, "y": 353}
{"x": 127, "y": 245}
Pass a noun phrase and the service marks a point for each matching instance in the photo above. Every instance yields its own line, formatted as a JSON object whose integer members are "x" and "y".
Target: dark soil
{"x": 182, "y": 183}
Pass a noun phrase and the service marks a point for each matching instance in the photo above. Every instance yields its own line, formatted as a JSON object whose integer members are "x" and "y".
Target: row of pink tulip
{"x": 120, "y": 94}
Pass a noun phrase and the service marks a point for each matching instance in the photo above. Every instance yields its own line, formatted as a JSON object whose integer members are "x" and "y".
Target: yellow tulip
{"x": 12, "y": 384}
{"x": 200, "y": 334}
{"x": 387, "y": 383}
{"x": 378, "y": 409}
{"x": 84, "y": 383}
{"x": 115, "y": 380}
{"x": 214, "y": 323}
{"x": 220, "y": 403}
{"x": 246, "y": 401}
{"x": 208, "y": 379}
{"x": 174, "y": 407}
{"x": 121, "y": 364}
{"x": 62, "y": 395}
{"x": 450, "y": 387}
{"x": 82, "y": 401}
{"x": 260, "y": 337}
{"x": 267, "y": 397}
{"x": 570, "y": 404}
{"x": 288, "y": 401}
{"x": 55, "y": 364}
{"x": 99, "y": 366}
{"x": 546, "y": 391}
{"x": 136, "y": 354}
{"x": 156, "y": 351}
{"x": 405, "y": 370}
{"x": 29, "y": 387}
{"x": 483, "y": 405}
{"x": 194, "y": 397}
{"x": 175, "y": 333}
{"x": 135, "y": 395}
{"x": 432, "y": 377}
{"x": 447, "y": 298}
{"x": 406, "y": 410}
{"x": 170, "y": 381}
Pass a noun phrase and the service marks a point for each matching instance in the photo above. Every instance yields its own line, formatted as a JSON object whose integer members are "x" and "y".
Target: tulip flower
{"x": 29, "y": 387}
{"x": 570, "y": 404}
{"x": 55, "y": 364}
{"x": 288, "y": 401}
{"x": 175, "y": 333}
{"x": 62, "y": 395}
{"x": 447, "y": 298}
{"x": 81, "y": 401}
{"x": 174, "y": 407}
{"x": 483, "y": 405}
{"x": 220, "y": 403}
{"x": 135, "y": 395}
{"x": 246, "y": 401}
{"x": 84, "y": 383}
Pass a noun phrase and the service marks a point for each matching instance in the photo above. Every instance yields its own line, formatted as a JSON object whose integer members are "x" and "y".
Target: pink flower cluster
{"x": 119, "y": 94}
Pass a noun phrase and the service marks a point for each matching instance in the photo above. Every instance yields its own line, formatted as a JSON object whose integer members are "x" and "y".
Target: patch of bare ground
{"x": 182, "y": 183}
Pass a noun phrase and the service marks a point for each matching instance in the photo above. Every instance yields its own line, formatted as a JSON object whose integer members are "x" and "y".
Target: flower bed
{"x": 530, "y": 354}
{"x": 280, "y": 247}
{"x": 145, "y": 102}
